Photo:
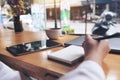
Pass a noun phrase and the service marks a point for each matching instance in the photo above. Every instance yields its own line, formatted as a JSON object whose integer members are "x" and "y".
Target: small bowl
{"x": 53, "y": 33}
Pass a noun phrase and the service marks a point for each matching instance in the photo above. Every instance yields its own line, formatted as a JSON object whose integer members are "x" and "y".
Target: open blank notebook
{"x": 69, "y": 55}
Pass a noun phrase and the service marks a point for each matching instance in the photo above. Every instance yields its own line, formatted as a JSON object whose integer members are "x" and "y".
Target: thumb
{"x": 88, "y": 37}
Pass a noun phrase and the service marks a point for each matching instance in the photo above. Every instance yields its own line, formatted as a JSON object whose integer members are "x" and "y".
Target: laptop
{"x": 114, "y": 43}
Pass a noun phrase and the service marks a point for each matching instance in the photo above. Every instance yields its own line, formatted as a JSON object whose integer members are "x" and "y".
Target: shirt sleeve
{"x": 6, "y": 73}
{"x": 87, "y": 70}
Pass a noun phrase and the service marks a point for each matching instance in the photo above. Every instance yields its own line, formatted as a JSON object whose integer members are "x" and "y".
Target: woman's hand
{"x": 95, "y": 50}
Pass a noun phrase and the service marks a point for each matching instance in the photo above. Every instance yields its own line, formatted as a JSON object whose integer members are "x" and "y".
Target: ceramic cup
{"x": 53, "y": 33}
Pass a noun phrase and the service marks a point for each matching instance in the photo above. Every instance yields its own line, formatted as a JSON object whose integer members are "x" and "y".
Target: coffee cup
{"x": 53, "y": 33}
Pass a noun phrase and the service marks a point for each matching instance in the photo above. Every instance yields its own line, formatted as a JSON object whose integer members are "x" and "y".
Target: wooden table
{"x": 37, "y": 65}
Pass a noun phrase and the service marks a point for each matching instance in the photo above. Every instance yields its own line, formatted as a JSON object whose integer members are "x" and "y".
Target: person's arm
{"x": 87, "y": 70}
{"x": 7, "y": 73}
{"x": 90, "y": 68}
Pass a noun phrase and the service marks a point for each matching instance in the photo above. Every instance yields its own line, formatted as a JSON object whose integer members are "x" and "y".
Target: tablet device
{"x": 25, "y": 48}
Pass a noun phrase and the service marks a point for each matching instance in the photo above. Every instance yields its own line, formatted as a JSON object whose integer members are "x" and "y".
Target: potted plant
{"x": 54, "y": 33}
{"x": 17, "y": 7}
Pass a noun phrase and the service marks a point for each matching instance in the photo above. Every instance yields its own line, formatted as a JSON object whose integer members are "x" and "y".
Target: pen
{"x": 108, "y": 37}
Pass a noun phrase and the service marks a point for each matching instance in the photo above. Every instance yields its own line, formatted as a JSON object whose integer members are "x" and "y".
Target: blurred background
{"x": 68, "y": 13}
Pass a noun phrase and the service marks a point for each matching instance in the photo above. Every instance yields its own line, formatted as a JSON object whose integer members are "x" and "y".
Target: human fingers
{"x": 88, "y": 37}
{"x": 104, "y": 45}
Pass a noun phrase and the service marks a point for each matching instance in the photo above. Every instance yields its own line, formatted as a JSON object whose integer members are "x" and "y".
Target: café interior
{"x": 41, "y": 27}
